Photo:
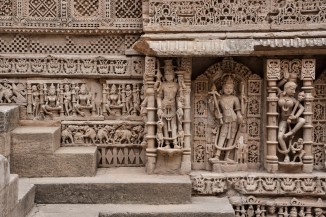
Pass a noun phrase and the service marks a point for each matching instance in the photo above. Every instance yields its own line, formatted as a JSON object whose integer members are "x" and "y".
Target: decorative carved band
{"x": 221, "y": 15}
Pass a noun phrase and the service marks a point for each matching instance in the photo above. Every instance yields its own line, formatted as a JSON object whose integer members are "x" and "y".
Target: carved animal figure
{"x": 90, "y": 135}
{"x": 5, "y": 93}
{"x": 102, "y": 134}
{"x": 123, "y": 136}
{"x": 138, "y": 134}
{"x": 66, "y": 134}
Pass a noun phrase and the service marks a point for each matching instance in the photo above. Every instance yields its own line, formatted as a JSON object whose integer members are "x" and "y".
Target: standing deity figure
{"x": 67, "y": 99}
{"x": 129, "y": 99}
{"x": 52, "y": 103}
{"x": 169, "y": 105}
{"x": 227, "y": 109}
{"x": 290, "y": 112}
{"x": 36, "y": 101}
{"x": 83, "y": 100}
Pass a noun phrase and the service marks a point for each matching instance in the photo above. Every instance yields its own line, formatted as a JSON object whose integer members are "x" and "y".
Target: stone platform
{"x": 199, "y": 207}
{"x": 114, "y": 185}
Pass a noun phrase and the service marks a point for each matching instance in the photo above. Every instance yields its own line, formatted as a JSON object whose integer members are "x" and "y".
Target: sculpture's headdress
{"x": 228, "y": 80}
{"x": 168, "y": 67}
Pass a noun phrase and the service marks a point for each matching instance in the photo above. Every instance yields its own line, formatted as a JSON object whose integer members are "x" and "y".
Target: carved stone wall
{"x": 233, "y": 15}
{"x": 66, "y": 15}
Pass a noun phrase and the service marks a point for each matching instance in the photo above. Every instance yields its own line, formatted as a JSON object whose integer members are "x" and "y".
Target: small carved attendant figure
{"x": 129, "y": 99}
{"x": 288, "y": 105}
{"x": 114, "y": 105}
{"x": 51, "y": 102}
{"x": 36, "y": 101}
{"x": 83, "y": 100}
{"x": 228, "y": 112}
{"x": 271, "y": 210}
{"x": 67, "y": 100}
{"x": 169, "y": 108}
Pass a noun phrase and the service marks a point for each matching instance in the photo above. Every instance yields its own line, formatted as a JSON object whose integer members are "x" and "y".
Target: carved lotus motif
{"x": 70, "y": 66}
{"x": 22, "y": 65}
{"x": 53, "y": 66}
{"x": 37, "y": 66}
{"x": 87, "y": 67}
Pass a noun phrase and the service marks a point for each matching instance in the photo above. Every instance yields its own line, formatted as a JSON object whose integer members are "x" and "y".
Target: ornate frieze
{"x": 221, "y": 15}
{"x": 260, "y": 184}
{"x": 286, "y": 206}
{"x": 69, "y": 66}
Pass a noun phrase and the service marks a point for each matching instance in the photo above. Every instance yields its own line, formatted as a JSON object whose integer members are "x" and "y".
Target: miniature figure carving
{"x": 67, "y": 103}
{"x": 319, "y": 212}
{"x": 5, "y": 92}
{"x": 129, "y": 99}
{"x": 67, "y": 135}
{"x": 103, "y": 134}
{"x": 90, "y": 135}
{"x": 227, "y": 110}
{"x": 52, "y": 103}
{"x": 114, "y": 105}
{"x": 170, "y": 110}
{"x": 83, "y": 100}
{"x": 36, "y": 101}
{"x": 291, "y": 110}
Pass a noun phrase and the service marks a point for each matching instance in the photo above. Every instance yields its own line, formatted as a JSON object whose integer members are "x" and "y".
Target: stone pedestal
{"x": 168, "y": 161}
{"x": 219, "y": 166}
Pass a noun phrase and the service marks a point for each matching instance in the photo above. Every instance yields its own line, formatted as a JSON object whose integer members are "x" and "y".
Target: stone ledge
{"x": 116, "y": 185}
{"x": 199, "y": 207}
{"x": 9, "y": 196}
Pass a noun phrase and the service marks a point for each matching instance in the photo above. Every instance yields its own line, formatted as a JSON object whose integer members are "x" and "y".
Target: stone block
{"x": 5, "y": 144}
{"x": 66, "y": 161}
{"x": 26, "y": 197}
{"x": 4, "y": 172}
{"x": 9, "y": 196}
{"x": 9, "y": 118}
{"x": 35, "y": 140}
{"x": 117, "y": 186}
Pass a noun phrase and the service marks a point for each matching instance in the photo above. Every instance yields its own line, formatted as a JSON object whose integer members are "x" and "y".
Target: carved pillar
{"x": 186, "y": 64}
{"x": 308, "y": 76}
{"x": 149, "y": 76}
{"x": 61, "y": 101}
{"x": 273, "y": 74}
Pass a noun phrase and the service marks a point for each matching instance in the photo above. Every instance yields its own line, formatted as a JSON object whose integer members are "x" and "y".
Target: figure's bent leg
{"x": 281, "y": 131}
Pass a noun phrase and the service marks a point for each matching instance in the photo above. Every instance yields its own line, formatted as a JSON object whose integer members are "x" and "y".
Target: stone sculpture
{"x": 169, "y": 106}
{"x": 227, "y": 110}
{"x": 290, "y": 112}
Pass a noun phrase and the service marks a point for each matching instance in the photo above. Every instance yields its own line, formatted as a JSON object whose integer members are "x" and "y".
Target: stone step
{"x": 36, "y": 152}
{"x": 26, "y": 197}
{"x": 114, "y": 185}
{"x": 199, "y": 207}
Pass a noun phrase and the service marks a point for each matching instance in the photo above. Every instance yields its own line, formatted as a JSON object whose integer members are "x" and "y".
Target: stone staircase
{"x": 65, "y": 181}
{"x": 122, "y": 192}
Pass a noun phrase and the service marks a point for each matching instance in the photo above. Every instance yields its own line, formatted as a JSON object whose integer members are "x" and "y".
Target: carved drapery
{"x": 295, "y": 134}
{"x": 248, "y": 87}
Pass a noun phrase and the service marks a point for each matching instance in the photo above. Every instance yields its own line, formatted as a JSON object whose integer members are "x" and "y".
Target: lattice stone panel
{"x": 43, "y": 8}
{"x": 121, "y": 157}
{"x": 114, "y": 44}
{"x": 86, "y": 8}
{"x": 6, "y": 8}
{"x": 128, "y": 9}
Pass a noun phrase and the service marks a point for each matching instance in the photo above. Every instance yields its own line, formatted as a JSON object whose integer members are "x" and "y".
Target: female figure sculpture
{"x": 36, "y": 101}
{"x": 67, "y": 100}
{"x": 290, "y": 112}
{"x": 227, "y": 109}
